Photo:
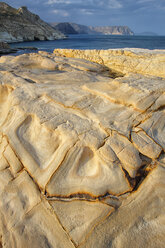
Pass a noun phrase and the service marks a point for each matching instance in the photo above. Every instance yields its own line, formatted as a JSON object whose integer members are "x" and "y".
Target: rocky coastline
{"x": 82, "y": 149}
{"x": 18, "y": 25}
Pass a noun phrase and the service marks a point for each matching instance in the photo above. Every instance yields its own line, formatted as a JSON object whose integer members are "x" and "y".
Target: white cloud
{"x": 108, "y": 4}
{"x": 60, "y": 12}
{"x": 87, "y": 12}
{"x": 114, "y": 4}
{"x": 66, "y": 2}
{"x": 145, "y": 1}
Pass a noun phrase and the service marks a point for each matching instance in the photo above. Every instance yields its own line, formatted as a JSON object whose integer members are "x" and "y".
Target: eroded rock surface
{"x": 82, "y": 152}
{"x": 129, "y": 60}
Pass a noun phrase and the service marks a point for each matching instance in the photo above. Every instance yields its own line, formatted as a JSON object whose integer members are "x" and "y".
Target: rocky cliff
{"x": 18, "y": 25}
{"x": 73, "y": 28}
{"x": 113, "y": 30}
{"x": 82, "y": 150}
{"x": 65, "y": 28}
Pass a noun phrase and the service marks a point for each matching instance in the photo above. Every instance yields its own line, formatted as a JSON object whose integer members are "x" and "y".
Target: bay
{"x": 84, "y": 41}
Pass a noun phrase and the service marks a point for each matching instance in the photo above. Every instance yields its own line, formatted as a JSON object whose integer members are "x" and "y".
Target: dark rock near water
{"x": 6, "y": 49}
{"x": 28, "y": 48}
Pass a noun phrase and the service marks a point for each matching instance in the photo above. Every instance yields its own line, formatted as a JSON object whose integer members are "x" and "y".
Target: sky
{"x": 139, "y": 15}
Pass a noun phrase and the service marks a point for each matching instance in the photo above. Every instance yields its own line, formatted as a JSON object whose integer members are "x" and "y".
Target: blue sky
{"x": 139, "y": 15}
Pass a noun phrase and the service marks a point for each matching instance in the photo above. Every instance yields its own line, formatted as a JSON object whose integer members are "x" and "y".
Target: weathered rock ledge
{"x": 82, "y": 151}
{"x": 135, "y": 60}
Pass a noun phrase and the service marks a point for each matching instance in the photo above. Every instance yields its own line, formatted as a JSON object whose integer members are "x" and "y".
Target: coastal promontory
{"x": 74, "y": 28}
{"x": 17, "y": 25}
{"x": 82, "y": 149}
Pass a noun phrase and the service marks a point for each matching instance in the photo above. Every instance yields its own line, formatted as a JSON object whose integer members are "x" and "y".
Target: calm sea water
{"x": 97, "y": 42}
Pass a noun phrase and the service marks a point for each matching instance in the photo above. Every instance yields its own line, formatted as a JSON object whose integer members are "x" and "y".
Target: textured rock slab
{"x": 81, "y": 152}
{"x": 125, "y": 60}
{"x": 139, "y": 222}
{"x": 80, "y": 217}
{"x": 132, "y": 90}
{"x": 21, "y": 193}
{"x": 155, "y": 127}
{"x": 146, "y": 145}
{"x": 40, "y": 228}
{"x": 84, "y": 171}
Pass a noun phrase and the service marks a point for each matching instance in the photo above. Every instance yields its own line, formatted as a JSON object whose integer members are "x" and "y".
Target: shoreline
{"x": 91, "y": 42}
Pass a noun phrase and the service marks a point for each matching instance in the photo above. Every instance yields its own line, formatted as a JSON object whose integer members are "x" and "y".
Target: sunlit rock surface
{"x": 82, "y": 149}
{"x": 133, "y": 60}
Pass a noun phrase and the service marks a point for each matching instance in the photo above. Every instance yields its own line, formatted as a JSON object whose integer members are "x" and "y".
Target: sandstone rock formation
{"x": 128, "y": 60}
{"x": 82, "y": 150}
{"x": 74, "y": 28}
{"x": 18, "y": 25}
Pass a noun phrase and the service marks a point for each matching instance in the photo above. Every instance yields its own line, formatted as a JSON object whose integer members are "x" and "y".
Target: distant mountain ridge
{"x": 17, "y": 25}
{"x": 73, "y": 28}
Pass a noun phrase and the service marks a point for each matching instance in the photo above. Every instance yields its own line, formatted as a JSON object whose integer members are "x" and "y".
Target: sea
{"x": 84, "y": 41}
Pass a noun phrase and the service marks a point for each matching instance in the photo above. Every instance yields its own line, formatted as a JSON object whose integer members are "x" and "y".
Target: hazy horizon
{"x": 140, "y": 16}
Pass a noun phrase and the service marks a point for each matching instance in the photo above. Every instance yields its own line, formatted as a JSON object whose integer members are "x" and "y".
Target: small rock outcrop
{"x": 82, "y": 151}
{"x": 73, "y": 28}
{"x": 5, "y": 48}
{"x": 18, "y": 25}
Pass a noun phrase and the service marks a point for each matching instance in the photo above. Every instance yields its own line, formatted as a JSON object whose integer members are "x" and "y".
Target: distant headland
{"x": 74, "y": 28}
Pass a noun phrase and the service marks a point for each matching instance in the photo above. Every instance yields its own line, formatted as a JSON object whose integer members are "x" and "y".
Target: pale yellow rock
{"x": 132, "y": 90}
{"x": 80, "y": 217}
{"x": 120, "y": 148}
{"x": 3, "y": 145}
{"x": 4, "y": 102}
{"x": 155, "y": 127}
{"x": 139, "y": 222}
{"x": 127, "y": 60}
{"x": 159, "y": 103}
{"x": 126, "y": 152}
{"x": 3, "y": 163}
{"x": 84, "y": 171}
{"x": 145, "y": 144}
{"x": 82, "y": 149}
{"x": 18, "y": 198}
{"x": 39, "y": 228}
{"x": 110, "y": 115}
{"x": 5, "y": 178}
{"x": 12, "y": 159}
